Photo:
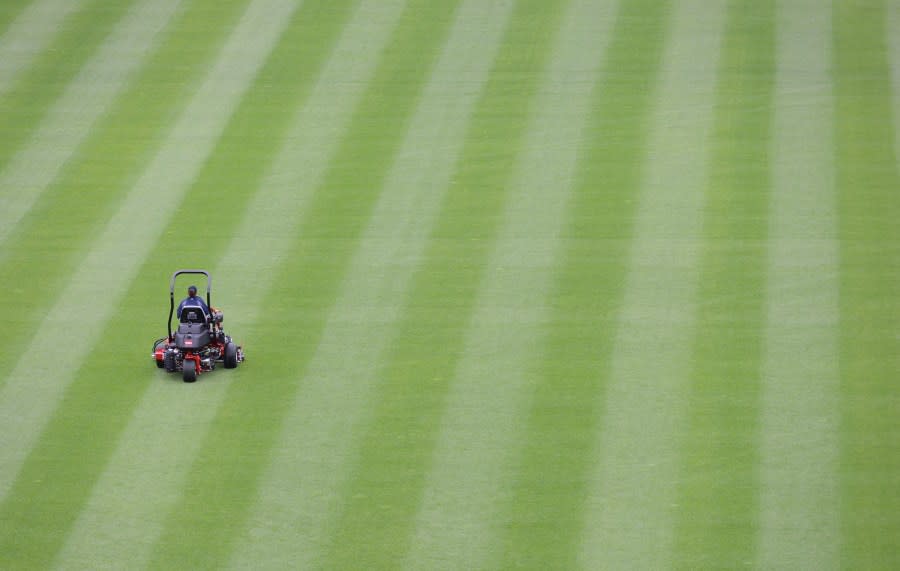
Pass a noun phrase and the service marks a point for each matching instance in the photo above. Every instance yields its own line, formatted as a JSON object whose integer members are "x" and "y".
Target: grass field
{"x": 543, "y": 284}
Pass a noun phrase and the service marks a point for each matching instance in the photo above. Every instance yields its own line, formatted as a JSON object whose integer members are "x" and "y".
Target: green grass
{"x": 550, "y": 487}
{"x": 867, "y": 180}
{"x": 330, "y": 228}
{"x": 50, "y": 241}
{"x": 84, "y": 196}
{"x": 388, "y": 478}
{"x": 299, "y": 160}
{"x": 9, "y": 12}
{"x": 720, "y": 448}
{"x": 31, "y": 96}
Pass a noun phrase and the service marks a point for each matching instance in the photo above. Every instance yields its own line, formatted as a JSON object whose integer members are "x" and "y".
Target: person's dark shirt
{"x": 190, "y": 301}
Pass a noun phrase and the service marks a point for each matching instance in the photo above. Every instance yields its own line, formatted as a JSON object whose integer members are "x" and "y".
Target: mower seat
{"x": 193, "y": 336}
{"x": 193, "y": 331}
{"x": 193, "y": 314}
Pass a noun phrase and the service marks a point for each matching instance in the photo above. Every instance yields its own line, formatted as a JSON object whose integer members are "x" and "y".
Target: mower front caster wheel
{"x": 190, "y": 371}
{"x": 169, "y": 362}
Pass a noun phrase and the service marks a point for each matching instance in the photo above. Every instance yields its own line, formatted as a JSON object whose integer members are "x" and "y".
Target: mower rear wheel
{"x": 159, "y": 363}
{"x": 231, "y": 360}
{"x": 190, "y": 371}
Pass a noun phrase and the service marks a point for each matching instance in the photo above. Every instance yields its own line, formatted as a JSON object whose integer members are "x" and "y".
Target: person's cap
{"x": 192, "y": 289}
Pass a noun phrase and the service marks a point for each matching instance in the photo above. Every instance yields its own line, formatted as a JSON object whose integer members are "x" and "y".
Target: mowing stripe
{"x": 869, "y": 207}
{"x": 892, "y": 22}
{"x": 9, "y": 11}
{"x": 297, "y": 502}
{"x": 800, "y": 414}
{"x": 719, "y": 475}
{"x": 457, "y": 519}
{"x": 631, "y": 503}
{"x": 51, "y": 240}
{"x": 383, "y": 495}
{"x": 274, "y": 218}
{"x": 151, "y": 461}
{"x": 218, "y": 496}
{"x": 34, "y": 389}
{"x": 60, "y": 498}
{"x": 545, "y": 515}
{"x": 29, "y": 34}
{"x": 72, "y": 117}
{"x": 26, "y": 102}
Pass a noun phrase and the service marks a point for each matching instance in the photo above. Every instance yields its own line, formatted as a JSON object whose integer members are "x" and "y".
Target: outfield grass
{"x": 544, "y": 284}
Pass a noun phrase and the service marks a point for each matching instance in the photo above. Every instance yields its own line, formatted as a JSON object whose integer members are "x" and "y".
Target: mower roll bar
{"x": 172, "y": 292}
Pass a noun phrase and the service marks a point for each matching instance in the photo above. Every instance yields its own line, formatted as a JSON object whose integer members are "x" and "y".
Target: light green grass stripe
{"x": 149, "y": 466}
{"x": 72, "y": 117}
{"x": 457, "y": 522}
{"x": 33, "y": 390}
{"x": 29, "y": 34}
{"x": 298, "y": 498}
{"x": 631, "y": 501}
{"x": 799, "y": 500}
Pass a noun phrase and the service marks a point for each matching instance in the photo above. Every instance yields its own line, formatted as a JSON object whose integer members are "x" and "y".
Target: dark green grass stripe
{"x": 717, "y": 521}
{"x": 9, "y": 11}
{"x": 52, "y": 238}
{"x": 222, "y": 482}
{"x": 869, "y": 200}
{"x": 35, "y": 91}
{"x": 71, "y": 454}
{"x": 546, "y": 512}
{"x": 381, "y": 500}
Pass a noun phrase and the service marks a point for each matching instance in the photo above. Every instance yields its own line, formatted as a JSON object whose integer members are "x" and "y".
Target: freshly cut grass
{"x": 546, "y": 513}
{"x": 868, "y": 208}
{"x": 891, "y": 23}
{"x": 800, "y": 415}
{"x": 30, "y": 387}
{"x": 330, "y": 405}
{"x": 152, "y": 457}
{"x": 632, "y": 493}
{"x": 70, "y": 118}
{"x": 457, "y": 520}
{"x": 53, "y": 239}
{"x": 115, "y": 257}
{"x": 720, "y": 453}
{"x": 543, "y": 284}
{"x": 388, "y": 476}
{"x": 331, "y": 229}
{"x": 9, "y": 12}
{"x": 31, "y": 27}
